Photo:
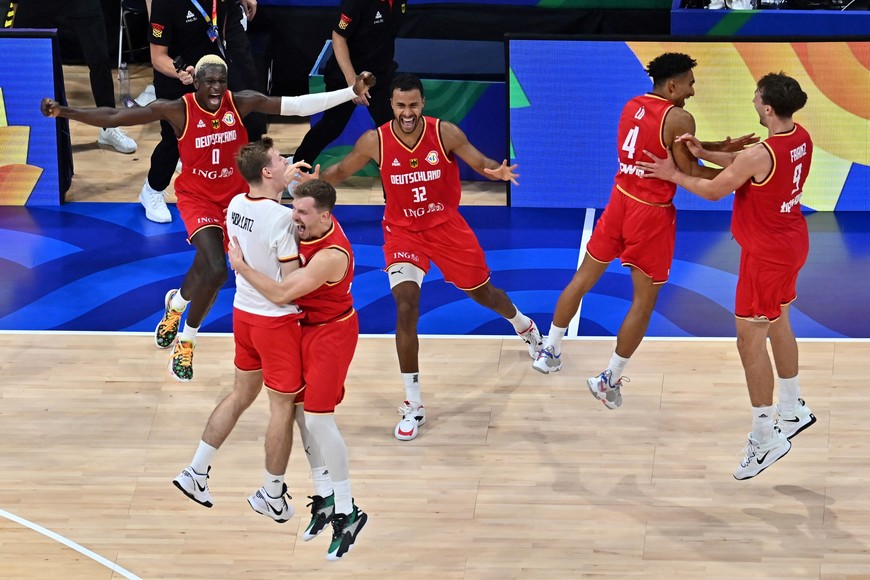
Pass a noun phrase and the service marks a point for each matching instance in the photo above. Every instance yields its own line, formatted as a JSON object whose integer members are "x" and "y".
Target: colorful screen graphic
{"x": 28, "y": 141}
{"x": 566, "y": 97}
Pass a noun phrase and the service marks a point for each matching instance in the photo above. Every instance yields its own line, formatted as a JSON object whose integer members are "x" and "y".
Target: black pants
{"x": 334, "y": 120}
{"x": 241, "y": 75}
{"x": 85, "y": 19}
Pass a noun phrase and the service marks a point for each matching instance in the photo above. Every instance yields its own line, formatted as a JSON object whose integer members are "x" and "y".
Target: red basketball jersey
{"x": 421, "y": 182}
{"x": 641, "y": 126}
{"x": 333, "y": 300}
{"x": 208, "y": 148}
{"x": 767, "y": 221}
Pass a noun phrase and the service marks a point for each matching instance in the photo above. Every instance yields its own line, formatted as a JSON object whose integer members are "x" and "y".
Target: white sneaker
{"x": 194, "y": 485}
{"x": 413, "y": 415}
{"x": 548, "y": 361}
{"x": 154, "y": 204}
{"x": 276, "y": 508}
{"x": 759, "y": 456}
{"x": 716, "y": 5}
{"x": 794, "y": 421}
{"x": 601, "y": 389}
{"x": 117, "y": 138}
{"x": 533, "y": 339}
{"x": 146, "y": 97}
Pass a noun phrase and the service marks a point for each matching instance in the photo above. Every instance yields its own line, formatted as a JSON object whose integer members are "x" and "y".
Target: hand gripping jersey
{"x": 266, "y": 235}
{"x": 333, "y": 300}
{"x": 641, "y": 126}
{"x": 767, "y": 221}
{"x": 208, "y": 148}
{"x": 421, "y": 182}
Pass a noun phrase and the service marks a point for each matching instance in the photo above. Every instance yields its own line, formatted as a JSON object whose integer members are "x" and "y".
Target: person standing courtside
{"x": 416, "y": 156}
{"x": 85, "y": 19}
{"x": 768, "y": 180}
{"x": 639, "y": 223}
{"x": 321, "y": 287}
{"x": 188, "y": 30}
{"x": 363, "y": 38}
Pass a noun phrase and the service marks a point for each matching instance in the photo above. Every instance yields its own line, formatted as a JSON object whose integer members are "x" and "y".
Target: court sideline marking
{"x": 70, "y": 544}
{"x": 574, "y": 325}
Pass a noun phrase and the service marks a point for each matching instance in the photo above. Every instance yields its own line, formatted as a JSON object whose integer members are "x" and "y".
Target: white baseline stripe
{"x": 574, "y": 325}
{"x": 426, "y": 336}
{"x": 70, "y": 544}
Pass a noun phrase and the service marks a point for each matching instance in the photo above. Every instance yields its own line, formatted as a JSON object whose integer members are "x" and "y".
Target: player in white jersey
{"x": 267, "y": 336}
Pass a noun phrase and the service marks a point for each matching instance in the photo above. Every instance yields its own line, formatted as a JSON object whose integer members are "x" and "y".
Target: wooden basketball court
{"x": 514, "y": 475}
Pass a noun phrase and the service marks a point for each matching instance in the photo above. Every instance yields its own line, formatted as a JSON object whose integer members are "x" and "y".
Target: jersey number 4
{"x": 630, "y": 141}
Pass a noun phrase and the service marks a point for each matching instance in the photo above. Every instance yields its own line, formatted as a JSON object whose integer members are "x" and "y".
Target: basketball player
{"x": 210, "y": 133}
{"x": 639, "y": 223}
{"x": 267, "y": 335}
{"x": 767, "y": 222}
{"x": 422, "y": 225}
{"x": 330, "y": 331}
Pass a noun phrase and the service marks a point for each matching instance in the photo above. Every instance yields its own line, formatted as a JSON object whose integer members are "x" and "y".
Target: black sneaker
{"x": 322, "y": 510}
{"x": 345, "y": 529}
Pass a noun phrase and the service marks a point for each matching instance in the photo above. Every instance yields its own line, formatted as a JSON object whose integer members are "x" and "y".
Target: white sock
{"x": 762, "y": 423}
{"x": 789, "y": 393}
{"x": 273, "y": 484}
{"x": 343, "y": 497}
{"x": 412, "y": 387}
{"x": 616, "y": 368}
{"x": 554, "y": 338}
{"x": 202, "y": 458}
{"x": 322, "y": 481}
{"x": 189, "y": 333}
{"x": 178, "y": 303}
{"x": 520, "y": 322}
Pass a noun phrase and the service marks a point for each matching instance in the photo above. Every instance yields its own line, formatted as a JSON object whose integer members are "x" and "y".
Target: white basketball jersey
{"x": 267, "y": 236}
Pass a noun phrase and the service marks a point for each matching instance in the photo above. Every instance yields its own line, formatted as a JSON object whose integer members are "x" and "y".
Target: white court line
{"x": 574, "y": 325}
{"x": 70, "y": 544}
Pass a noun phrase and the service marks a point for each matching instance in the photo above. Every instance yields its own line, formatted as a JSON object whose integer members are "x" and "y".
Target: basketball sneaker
{"x": 601, "y": 389}
{"x": 413, "y": 415}
{"x": 345, "y": 529}
{"x": 194, "y": 485}
{"x": 181, "y": 361}
{"x": 548, "y": 361}
{"x": 759, "y": 456}
{"x": 533, "y": 339}
{"x": 117, "y": 139}
{"x": 276, "y": 508}
{"x": 167, "y": 329}
{"x": 322, "y": 511}
{"x": 795, "y": 420}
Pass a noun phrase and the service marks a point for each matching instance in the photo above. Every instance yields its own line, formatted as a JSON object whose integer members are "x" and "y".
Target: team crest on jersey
{"x": 215, "y": 124}
{"x": 229, "y": 119}
{"x": 345, "y": 21}
{"x": 156, "y": 30}
{"x": 200, "y": 125}
{"x": 414, "y": 163}
{"x": 432, "y": 158}
{"x": 396, "y": 162}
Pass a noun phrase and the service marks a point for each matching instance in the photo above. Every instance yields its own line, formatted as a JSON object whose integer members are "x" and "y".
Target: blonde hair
{"x": 209, "y": 59}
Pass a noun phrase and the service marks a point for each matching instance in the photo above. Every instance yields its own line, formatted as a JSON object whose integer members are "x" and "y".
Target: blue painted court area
{"x": 104, "y": 267}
